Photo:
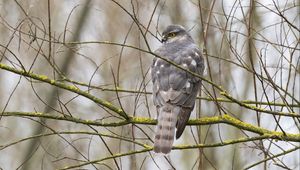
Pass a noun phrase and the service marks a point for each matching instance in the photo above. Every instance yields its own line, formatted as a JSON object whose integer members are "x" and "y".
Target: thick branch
{"x": 116, "y": 109}
{"x": 226, "y": 119}
{"x": 71, "y": 88}
{"x": 178, "y": 147}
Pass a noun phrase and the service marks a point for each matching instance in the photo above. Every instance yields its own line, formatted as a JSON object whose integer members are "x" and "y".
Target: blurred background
{"x": 103, "y": 47}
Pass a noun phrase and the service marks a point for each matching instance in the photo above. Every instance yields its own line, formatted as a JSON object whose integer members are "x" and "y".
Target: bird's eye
{"x": 171, "y": 34}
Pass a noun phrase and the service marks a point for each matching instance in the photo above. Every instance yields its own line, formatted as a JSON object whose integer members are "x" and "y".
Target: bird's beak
{"x": 164, "y": 39}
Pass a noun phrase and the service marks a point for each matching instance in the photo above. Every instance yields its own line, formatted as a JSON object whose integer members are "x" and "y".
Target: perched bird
{"x": 174, "y": 90}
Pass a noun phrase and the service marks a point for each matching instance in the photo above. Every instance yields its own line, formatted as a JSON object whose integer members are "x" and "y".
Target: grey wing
{"x": 175, "y": 86}
{"x": 196, "y": 65}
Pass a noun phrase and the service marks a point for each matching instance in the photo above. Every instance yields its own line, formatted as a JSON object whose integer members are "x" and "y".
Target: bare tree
{"x": 75, "y": 90}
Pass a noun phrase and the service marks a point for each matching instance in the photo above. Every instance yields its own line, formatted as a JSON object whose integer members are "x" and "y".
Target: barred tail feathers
{"x": 165, "y": 129}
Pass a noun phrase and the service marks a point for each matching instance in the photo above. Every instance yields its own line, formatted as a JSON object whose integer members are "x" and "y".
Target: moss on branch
{"x": 224, "y": 119}
{"x": 118, "y": 110}
{"x": 71, "y": 88}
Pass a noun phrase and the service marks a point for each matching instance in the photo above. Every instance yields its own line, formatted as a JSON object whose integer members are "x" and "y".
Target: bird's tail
{"x": 165, "y": 129}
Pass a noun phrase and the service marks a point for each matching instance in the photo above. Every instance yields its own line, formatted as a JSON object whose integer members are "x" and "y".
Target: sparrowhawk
{"x": 174, "y": 90}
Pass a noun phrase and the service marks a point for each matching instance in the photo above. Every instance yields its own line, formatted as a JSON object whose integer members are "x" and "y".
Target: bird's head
{"x": 174, "y": 33}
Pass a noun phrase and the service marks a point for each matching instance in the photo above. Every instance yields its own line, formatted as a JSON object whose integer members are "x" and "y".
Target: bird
{"x": 174, "y": 89}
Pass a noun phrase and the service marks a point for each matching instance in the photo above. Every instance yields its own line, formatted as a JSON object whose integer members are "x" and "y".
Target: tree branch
{"x": 226, "y": 119}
